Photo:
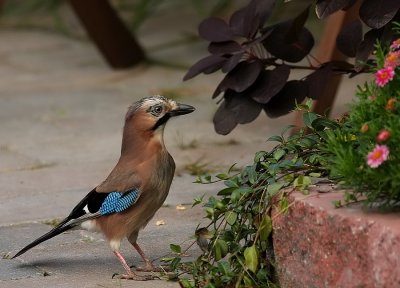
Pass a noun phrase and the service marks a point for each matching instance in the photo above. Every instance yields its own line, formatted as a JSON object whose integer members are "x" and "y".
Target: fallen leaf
{"x": 180, "y": 207}
{"x": 160, "y": 222}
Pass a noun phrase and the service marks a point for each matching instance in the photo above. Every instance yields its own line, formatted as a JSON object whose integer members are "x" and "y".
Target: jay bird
{"x": 136, "y": 188}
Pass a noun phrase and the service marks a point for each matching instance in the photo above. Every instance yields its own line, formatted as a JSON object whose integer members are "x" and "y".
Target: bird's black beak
{"x": 181, "y": 109}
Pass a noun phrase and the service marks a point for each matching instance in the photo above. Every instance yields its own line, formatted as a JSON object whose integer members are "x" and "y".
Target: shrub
{"x": 366, "y": 150}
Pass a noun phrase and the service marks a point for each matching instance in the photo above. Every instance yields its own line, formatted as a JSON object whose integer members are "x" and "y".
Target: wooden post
{"x": 327, "y": 51}
{"x": 108, "y": 32}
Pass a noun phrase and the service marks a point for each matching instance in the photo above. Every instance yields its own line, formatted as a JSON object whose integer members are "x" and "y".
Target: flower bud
{"x": 390, "y": 104}
{"x": 383, "y": 135}
{"x": 364, "y": 128}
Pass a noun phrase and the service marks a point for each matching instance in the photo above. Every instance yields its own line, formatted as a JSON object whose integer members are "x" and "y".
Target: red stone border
{"x": 317, "y": 245}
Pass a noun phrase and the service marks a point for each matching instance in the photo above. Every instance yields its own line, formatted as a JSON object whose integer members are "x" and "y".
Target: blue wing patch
{"x": 117, "y": 202}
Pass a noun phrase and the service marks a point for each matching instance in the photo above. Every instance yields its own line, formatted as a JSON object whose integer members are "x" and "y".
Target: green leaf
{"x": 314, "y": 174}
{"x": 314, "y": 158}
{"x": 322, "y": 123}
{"x": 198, "y": 180}
{"x": 302, "y": 107}
{"x": 186, "y": 283}
{"x": 224, "y": 267}
{"x": 239, "y": 192}
{"x": 307, "y": 106}
{"x": 250, "y": 171}
{"x": 247, "y": 281}
{"x": 220, "y": 249}
{"x": 222, "y": 176}
{"x": 174, "y": 263}
{"x": 175, "y": 248}
{"x": 302, "y": 182}
{"x": 279, "y": 153}
{"x": 274, "y": 188}
{"x": 235, "y": 196}
{"x": 265, "y": 228}
{"x": 198, "y": 200}
{"x": 276, "y": 138}
{"x": 309, "y": 103}
{"x": 251, "y": 258}
{"x": 307, "y": 142}
{"x": 210, "y": 212}
{"x": 231, "y": 217}
{"x": 259, "y": 155}
{"x": 262, "y": 275}
{"x": 337, "y": 203}
{"x": 230, "y": 183}
{"x": 284, "y": 204}
{"x": 308, "y": 118}
{"x": 226, "y": 191}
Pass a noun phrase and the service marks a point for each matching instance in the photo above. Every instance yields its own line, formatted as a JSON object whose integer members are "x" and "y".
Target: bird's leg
{"x": 149, "y": 265}
{"x": 130, "y": 275}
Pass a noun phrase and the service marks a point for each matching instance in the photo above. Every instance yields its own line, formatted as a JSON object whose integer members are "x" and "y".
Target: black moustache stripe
{"x": 161, "y": 121}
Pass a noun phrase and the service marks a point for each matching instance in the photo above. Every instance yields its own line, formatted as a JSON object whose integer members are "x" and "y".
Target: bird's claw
{"x": 135, "y": 277}
{"x": 152, "y": 268}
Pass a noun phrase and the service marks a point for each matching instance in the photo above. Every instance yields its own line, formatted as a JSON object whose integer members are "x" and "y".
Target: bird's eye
{"x": 156, "y": 110}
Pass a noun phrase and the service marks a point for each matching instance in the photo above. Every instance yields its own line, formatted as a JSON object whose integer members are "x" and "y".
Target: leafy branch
{"x": 237, "y": 242}
{"x": 256, "y": 55}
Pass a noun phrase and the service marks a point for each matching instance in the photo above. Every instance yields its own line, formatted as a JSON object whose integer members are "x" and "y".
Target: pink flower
{"x": 377, "y": 156}
{"x": 383, "y": 135}
{"x": 384, "y": 75}
{"x": 392, "y": 59}
{"x": 395, "y": 45}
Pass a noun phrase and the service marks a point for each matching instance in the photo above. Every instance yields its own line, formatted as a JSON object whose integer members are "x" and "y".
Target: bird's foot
{"x": 135, "y": 277}
{"x": 151, "y": 268}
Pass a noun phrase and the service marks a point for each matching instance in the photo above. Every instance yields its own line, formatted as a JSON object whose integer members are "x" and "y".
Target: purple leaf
{"x": 244, "y": 108}
{"x": 276, "y": 43}
{"x": 317, "y": 81}
{"x": 264, "y": 10}
{"x": 231, "y": 62}
{"x": 236, "y": 22}
{"x": 224, "y": 120}
{"x": 290, "y": 40}
{"x": 297, "y": 25}
{"x": 350, "y": 38}
{"x": 215, "y": 30}
{"x": 377, "y": 13}
{"x": 269, "y": 83}
{"x": 208, "y": 64}
{"x": 285, "y": 101}
{"x": 240, "y": 78}
{"x": 325, "y": 8}
{"x": 228, "y": 47}
{"x": 257, "y": 12}
{"x": 246, "y": 21}
{"x": 366, "y": 48}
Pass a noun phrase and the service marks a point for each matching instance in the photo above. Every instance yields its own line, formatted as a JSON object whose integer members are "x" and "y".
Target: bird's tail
{"x": 64, "y": 225}
{"x": 54, "y": 232}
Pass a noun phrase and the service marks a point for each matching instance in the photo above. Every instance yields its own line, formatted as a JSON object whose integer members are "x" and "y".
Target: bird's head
{"x": 152, "y": 113}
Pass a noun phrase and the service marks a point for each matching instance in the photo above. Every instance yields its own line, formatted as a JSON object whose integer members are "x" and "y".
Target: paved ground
{"x": 61, "y": 112}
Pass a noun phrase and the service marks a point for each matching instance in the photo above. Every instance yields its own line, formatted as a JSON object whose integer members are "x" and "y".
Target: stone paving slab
{"x": 84, "y": 255}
